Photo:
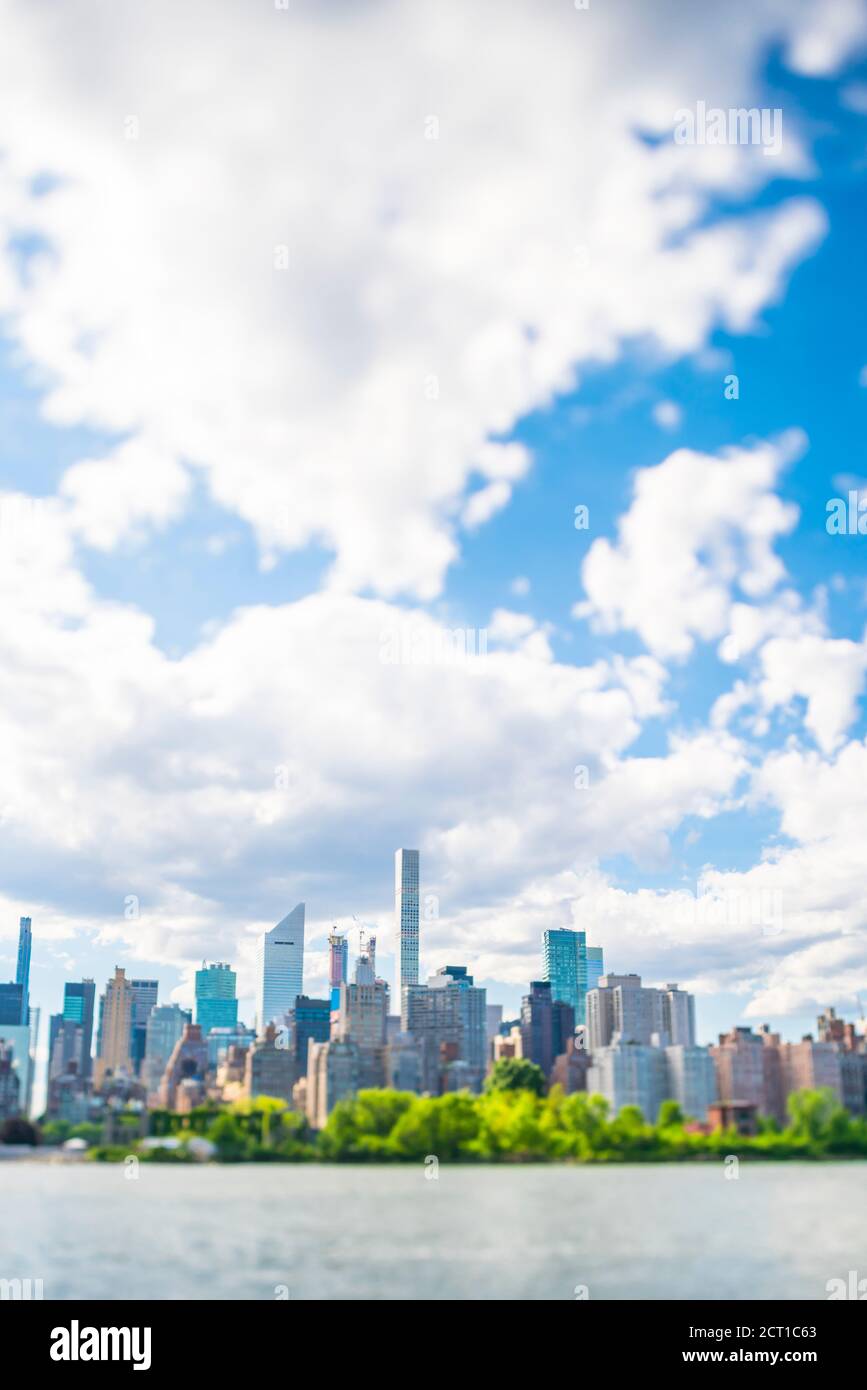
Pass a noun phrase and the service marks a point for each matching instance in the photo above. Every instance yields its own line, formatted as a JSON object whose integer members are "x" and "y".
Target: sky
{"x": 333, "y": 336}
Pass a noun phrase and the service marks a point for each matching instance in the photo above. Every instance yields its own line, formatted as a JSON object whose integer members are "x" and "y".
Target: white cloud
{"x": 113, "y": 496}
{"x": 337, "y": 364}
{"x": 828, "y": 674}
{"x": 700, "y": 530}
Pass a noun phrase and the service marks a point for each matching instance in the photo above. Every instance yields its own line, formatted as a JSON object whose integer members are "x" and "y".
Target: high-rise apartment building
{"x": 280, "y": 968}
{"x": 216, "y": 1004}
{"x": 621, "y": 1006}
{"x": 691, "y": 1079}
{"x": 748, "y": 1070}
{"x": 628, "y": 1073}
{"x": 810, "y": 1065}
{"x": 677, "y": 1017}
{"x": 406, "y": 912}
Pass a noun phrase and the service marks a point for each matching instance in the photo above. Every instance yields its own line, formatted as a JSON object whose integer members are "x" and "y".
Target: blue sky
{"x": 246, "y": 482}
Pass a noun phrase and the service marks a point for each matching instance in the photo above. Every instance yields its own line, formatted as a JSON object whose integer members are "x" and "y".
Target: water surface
{"x": 265, "y": 1231}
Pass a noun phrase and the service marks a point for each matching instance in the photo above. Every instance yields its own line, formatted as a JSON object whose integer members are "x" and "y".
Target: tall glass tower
{"x": 216, "y": 1005}
{"x": 406, "y": 918}
{"x": 22, "y": 973}
{"x": 571, "y": 966}
{"x": 280, "y": 968}
{"x": 78, "y": 1000}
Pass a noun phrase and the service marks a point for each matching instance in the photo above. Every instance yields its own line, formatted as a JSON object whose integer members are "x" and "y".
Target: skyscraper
{"x": 78, "y": 1000}
{"x": 338, "y": 971}
{"x": 362, "y": 1019}
{"x": 144, "y": 998}
{"x": 311, "y": 1022}
{"x": 571, "y": 966}
{"x": 216, "y": 1005}
{"x": 406, "y": 888}
{"x": 537, "y": 1025}
{"x": 449, "y": 1015}
{"x": 22, "y": 973}
{"x": 11, "y": 996}
{"x": 280, "y": 968}
{"x": 115, "y": 1026}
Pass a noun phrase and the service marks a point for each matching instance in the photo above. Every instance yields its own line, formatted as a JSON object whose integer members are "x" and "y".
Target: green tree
{"x": 516, "y": 1074}
{"x": 670, "y": 1115}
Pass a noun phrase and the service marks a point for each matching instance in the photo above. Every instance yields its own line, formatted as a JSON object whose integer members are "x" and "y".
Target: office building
{"x": 216, "y": 1004}
{"x": 144, "y": 998}
{"x": 280, "y": 968}
{"x": 11, "y": 1005}
{"x": 450, "y": 1011}
{"x": 310, "y": 1021}
{"x": 220, "y": 1041}
{"x": 537, "y": 1026}
{"x": 115, "y": 1027}
{"x": 78, "y": 1000}
{"x": 406, "y": 912}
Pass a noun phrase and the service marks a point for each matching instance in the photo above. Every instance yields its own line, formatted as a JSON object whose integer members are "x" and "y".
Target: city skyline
{"x": 573, "y": 972}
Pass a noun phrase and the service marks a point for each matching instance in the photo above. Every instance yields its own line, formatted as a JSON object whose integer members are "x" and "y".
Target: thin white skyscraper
{"x": 280, "y": 968}
{"x": 406, "y": 891}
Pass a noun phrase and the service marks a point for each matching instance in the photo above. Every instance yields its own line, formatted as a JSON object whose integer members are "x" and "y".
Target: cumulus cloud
{"x": 333, "y": 286}
{"x": 700, "y": 532}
